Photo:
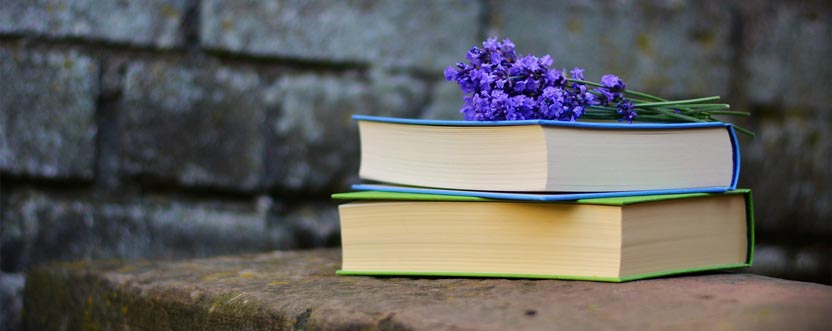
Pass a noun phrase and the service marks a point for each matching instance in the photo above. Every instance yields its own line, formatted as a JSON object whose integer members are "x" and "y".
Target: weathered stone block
{"x": 300, "y": 291}
{"x": 11, "y": 300}
{"x": 313, "y": 141}
{"x": 47, "y": 113}
{"x": 789, "y": 167}
{"x": 668, "y": 48}
{"x": 806, "y": 261}
{"x": 786, "y": 55}
{"x": 446, "y": 101}
{"x": 201, "y": 127}
{"x": 148, "y": 22}
{"x": 311, "y": 224}
{"x": 189, "y": 228}
{"x": 40, "y": 227}
{"x": 402, "y": 33}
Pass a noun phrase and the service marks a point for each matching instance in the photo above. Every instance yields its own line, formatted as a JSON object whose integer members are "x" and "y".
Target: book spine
{"x": 736, "y": 155}
{"x": 749, "y": 205}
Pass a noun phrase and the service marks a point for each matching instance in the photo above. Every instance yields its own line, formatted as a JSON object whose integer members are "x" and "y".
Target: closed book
{"x": 549, "y": 156}
{"x": 601, "y": 239}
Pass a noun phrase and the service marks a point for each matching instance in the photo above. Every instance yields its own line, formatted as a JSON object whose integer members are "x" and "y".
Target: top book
{"x": 549, "y": 156}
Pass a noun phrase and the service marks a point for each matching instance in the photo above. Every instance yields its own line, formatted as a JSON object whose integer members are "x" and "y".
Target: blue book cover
{"x": 529, "y": 196}
{"x": 550, "y": 123}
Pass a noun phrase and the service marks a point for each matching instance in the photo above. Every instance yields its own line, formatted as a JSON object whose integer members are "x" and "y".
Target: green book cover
{"x": 618, "y": 201}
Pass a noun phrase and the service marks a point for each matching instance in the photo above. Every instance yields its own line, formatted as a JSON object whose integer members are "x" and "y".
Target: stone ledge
{"x": 299, "y": 291}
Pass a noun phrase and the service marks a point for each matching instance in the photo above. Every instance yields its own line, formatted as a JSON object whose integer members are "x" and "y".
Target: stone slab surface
{"x": 299, "y": 291}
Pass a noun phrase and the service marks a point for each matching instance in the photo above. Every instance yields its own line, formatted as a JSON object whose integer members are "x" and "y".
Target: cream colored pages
{"x": 684, "y": 233}
{"x": 582, "y": 160}
{"x": 494, "y": 158}
{"x": 482, "y": 237}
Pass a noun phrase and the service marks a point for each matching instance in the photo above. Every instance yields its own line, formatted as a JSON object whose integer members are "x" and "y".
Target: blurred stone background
{"x": 189, "y": 128}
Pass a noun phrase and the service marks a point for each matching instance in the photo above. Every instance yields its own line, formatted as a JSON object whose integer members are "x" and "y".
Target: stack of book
{"x": 545, "y": 199}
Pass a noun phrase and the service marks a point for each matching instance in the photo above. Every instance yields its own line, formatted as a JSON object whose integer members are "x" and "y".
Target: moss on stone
{"x": 299, "y": 291}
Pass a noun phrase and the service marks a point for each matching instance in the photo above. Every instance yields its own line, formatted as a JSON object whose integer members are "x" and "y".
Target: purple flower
{"x": 577, "y": 73}
{"x": 546, "y": 61}
{"x": 491, "y": 44}
{"x": 612, "y": 90}
{"x": 554, "y": 77}
{"x": 606, "y": 97}
{"x": 499, "y": 85}
{"x": 508, "y": 49}
{"x": 613, "y": 83}
{"x": 561, "y": 104}
{"x": 451, "y": 73}
{"x": 626, "y": 111}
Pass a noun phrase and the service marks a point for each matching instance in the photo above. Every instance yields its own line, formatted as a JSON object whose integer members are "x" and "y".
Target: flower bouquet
{"x": 501, "y": 86}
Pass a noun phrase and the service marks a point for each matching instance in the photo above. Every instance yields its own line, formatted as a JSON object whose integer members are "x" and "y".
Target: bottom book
{"x": 604, "y": 239}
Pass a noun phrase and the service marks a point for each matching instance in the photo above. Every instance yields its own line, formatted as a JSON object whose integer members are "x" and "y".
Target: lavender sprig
{"x": 500, "y": 85}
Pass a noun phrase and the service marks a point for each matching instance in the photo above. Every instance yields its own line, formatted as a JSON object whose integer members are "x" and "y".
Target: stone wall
{"x": 186, "y": 128}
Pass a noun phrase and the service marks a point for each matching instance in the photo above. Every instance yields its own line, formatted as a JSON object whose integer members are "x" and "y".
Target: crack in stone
{"x": 302, "y": 320}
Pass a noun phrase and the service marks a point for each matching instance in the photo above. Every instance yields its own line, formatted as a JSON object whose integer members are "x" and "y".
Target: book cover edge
{"x": 749, "y": 214}
{"x": 342, "y": 272}
{"x": 590, "y": 125}
{"x": 735, "y": 145}
{"x": 393, "y": 273}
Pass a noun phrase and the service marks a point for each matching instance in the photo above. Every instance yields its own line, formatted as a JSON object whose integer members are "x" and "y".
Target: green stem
{"x": 710, "y": 105}
{"x": 744, "y": 130}
{"x": 630, "y": 92}
{"x": 643, "y": 95}
{"x": 650, "y": 111}
{"x": 604, "y": 108}
{"x": 679, "y": 116}
{"x": 599, "y": 117}
{"x": 732, "y": 113}
{"x": 656, "y": 118}
{"x": 684, "y": 112}
{"x": 603, "y": 114}
{"x": 702, "y": 110}
{"x": 664, "y": 110}
{"x": 584, "y": 82}
{"x": 676, "y": 102}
